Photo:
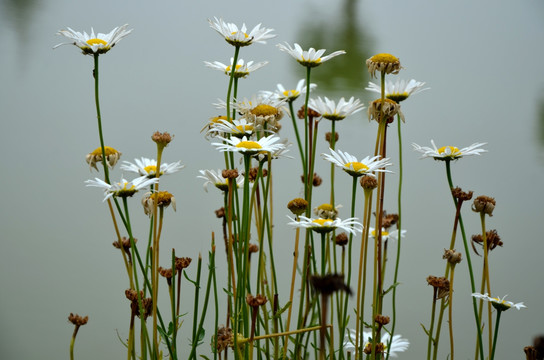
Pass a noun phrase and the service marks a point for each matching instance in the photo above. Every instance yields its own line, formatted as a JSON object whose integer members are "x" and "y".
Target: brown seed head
{"x": 224, "y": 338}
{"x": 460, "y": 194}
{"x": 316, "y": 181}
{"x": 162, "y": 139}
{"x": 132, "y": 295}
{"x": 253, "y": 248}
{"x": 390, "y": 109}
{"x": 256, "y": 301}
{"x": 167, "y": 273}
{"x": 484, "y": 204}
{"x": 297, "y": 206}
{"x": 492, "y": 237}
{"x": 441, "y": 284}
{"x": 380, "y": 348}
{"x": 125, "y": 243}
{"x": 311, "y": 113}
{"x": 77, "y": 320}
{"x": 220, "y": 213}
{"x": 341, "y": 239}
{"x": 330, "y": 283}
{"x": 389, "y": 220}
{"x": 382, "y": 319}
{"x": 328, "y": 137}
{"x": 254, "y": 171}
{"x": 530, "y": 353}
{"x": 162, "y": 198}
{"x": 452, "y": 256}
{"x": 182, "y": 263}
{"x": 369, "y": 182}
{"x": 230, "y": 173}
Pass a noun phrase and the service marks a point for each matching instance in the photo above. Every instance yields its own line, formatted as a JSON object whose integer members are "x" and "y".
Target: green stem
{"x": 496, "y": 333}
{"x": 99, "y": 119}
{"x": 431, "y": 328}
{"x": 231, "y": 79}
{"x": 299, "y": 143}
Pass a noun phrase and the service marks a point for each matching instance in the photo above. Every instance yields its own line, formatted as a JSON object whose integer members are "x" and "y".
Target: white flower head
{"x": 398, "y": 343}
{"x": 240, "y": 37}
{"x": 94, "y": 43}
{"x": 263, "y": 111}
{"x": 309, "y": 58}
{"x": 498, "y": 303}
{"x": 123, "y": 188}
{"x": 393, "y": 235}
{"x": 245, "y": 146}
{"x": 291, "y": 95}
{"x": 238, "y": 128}
{"x": 216, "y": 179}
{"x": 333, "y": 111}
{"x": 321, "y": 226}
{"x": 448, "y": 152}
{"x": 241, "y": 70}
{"x": 354, "y": 167}
{"x": 399, "y": 90}
{"x": 148, "y": 167}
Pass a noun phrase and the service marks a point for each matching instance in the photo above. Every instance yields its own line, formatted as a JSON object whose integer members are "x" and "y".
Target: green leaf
{"x": 391, "y": 287}
{"x": 282, "y": 310}
{"x": 191, "y": 281}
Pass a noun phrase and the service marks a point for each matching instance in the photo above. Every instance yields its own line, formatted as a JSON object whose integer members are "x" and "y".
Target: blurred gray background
{"x": 481, "y": 59}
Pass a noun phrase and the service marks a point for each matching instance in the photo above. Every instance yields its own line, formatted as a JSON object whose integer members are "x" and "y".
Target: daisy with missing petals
{"x": 241, "y": 71}
{"x": 332, "y": 111}
{"x": 148, "y": 167}
{"x": 498, "y": 303}
{"x": 398, "y": 343}
{"x": 216, "y": 179}
{"x": 123, "y": 188}
{"x": 289, "y": 95}
{"x": 399, "y": 90}
{"x": 354, "y": 167}
{"x": 322, "y": 226}
{"x": 448, "y": 152}
{"x": 310, "y": 58}
{"x": 383, "y": 62}
{"x": 238, "y": 128}
{"x": 248, "y": 147}
{"x": 112, "y": 156}
{"x": 262, "y": 111}
{"x": 240, "y": 37}
{"x": 92, "y": 44}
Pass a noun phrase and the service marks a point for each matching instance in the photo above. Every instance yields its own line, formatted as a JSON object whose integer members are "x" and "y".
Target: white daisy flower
{"x": 261, "y": 111}
{"x": 399, "y": 90}
{"x": 94, "y": 44}
{"x": 354, "y": 167}
{"x": 310, "y": 58}
{"x": 448, "y": 152}
{"x": 393, "y": 235}
{"x": 148, "y": 167}
{"x": 398, "y": 343}
{"x": 289, "y": 95}
{"x": 216, "y": 179}
{"x": 240, "y": 37}
{"x": 241, "y": 71}
{"x": 123, "y": 188}
{"x": 327, "y": 225}
{"x": 245, "y": 146}
{"x": 238, "y": 128}
{"x": 280, "y": 153}
{"x": 498, "y": 303}
{"x": 332, "y": 111}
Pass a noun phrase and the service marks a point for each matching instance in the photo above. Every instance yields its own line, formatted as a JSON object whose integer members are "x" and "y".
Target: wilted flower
{"x": 112, "y": 157}
{"x": 94, "y": 44}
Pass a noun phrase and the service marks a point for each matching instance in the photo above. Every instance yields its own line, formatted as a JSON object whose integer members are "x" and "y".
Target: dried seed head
{"x": 224, "y": 338}
{"x": 492, "y": 238}
{"x": 530, "y": 353}
{"x": 311, "y": 113}
{"x": 386, "y": 63}
{"x": 441, "y": 284}
{"x": 253, "y": 248}
{"x": 161, "y": 139}
{"x": 94, "y": 157}
{"x": 369, "y": 182}
{"x": 78, "y": 320}
{"x": 460, "y": 194}
{"x": 256, "y": 301}
{"x": 125, "y": 243}
{"x": 382, "y": 319}
{"x": 132, "y": 295}
{"x": 167, "y": 273}
{"x": 390, "y": 109}
{"x": 230, "y": 173}
{"x": 380, "y": 348}
{"x": 297, "y": 206}
{"x": 316, "y": 181}
{"x": 182, "y": 263}
{"x": 389, "y": 220}
{"x": 452, "y": 256}
{"x": 484, "y": 204}
{"x": 330, "y": 283}
{"x": 328, "y": 137}
{"x": 254, "y": 171}
{"x": 341, "y": 239}
{"x": 220, "y": 213}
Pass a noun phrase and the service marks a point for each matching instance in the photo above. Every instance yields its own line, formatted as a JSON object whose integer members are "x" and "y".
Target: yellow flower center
{"x": 236, "y": 32}
{"x": 96, "y": 42}
{"x": 230, "y": 67}
{"x": 132, "y": 187}
{"x": 291, "y": 93}
{"x": 326, "y": 207}
{"x": 108, "y": 150}
{"x": 244, "y": 128}
{"x": 357, "y": 166}
{"x": 453, "y": 150}
{"x": 249, "y": 145}
{"x": 264, "y": 110}
{"x": 150, "y": 169}
{"x": 322, "y": 221}
{"x": 384, "y": 233}
{"x": 384, "y": 58}
{"x": 217, "y": 119}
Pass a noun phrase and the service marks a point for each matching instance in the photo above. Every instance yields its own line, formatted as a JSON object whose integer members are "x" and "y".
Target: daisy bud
{"x": 112, "y": 156}
{"x": 162, "y": 139}
{"x": 341, "y": 239}
{"x": 78, "y": 320}
{"x": 386, "y": 63}
{"x": 484, "y": 204}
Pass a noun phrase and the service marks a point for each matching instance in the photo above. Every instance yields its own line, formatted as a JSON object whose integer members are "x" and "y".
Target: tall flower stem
{"x": 450, "y": 312}
{"x": 333, "y": 144}
{"x": 431, "y": 328}
{"x": 469, "y": 262}
{"x": 299, "y": 143}
{"x": 499, "y": 312}
{"x": 486, "y": 277}
{"x": 99, "y": 119}
{"x": 307, "y": 180}
{"x": 291, "y": 293}
{"x": 231, "y": 80}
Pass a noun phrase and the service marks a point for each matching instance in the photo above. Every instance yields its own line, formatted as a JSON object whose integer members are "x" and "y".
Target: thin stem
{"x": 499, "y": 312}
{"x": 431, "y": 328}
{"x": 486, "y": 274}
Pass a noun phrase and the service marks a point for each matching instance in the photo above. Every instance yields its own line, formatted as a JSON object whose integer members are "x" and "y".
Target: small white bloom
{"x": 148, "y": 167}
{"x": 332, "y": 111}
{"x": 123, "y": 188}
{"x": 498, "y": 303}
{"x": 216, "y": 179}
{"x": 354, "y": 167}
{"x": 291, "y": 95}
{"x": 350, "y": 225}
{"x": 241, "y": 71}
{"x": 398, "y": 343}
{"x": 238, "y": 128}
{"x": 94, "y": 44}
{"x": 393, "y": 235}
{"x": 310, "y": 58}
{"x": 399, "y": 90}
{"x": 448, "y": 152}
{"x": 240, "y": 37}
{"x": 245, "y": 146}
